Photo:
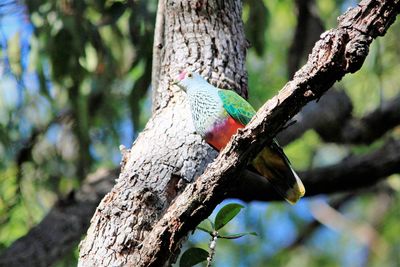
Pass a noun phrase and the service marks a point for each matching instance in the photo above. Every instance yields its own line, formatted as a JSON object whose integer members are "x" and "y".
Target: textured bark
{"x": 63, "y": 226}
{"x": 205, "y": 36}
{"x": 147, "y": 215}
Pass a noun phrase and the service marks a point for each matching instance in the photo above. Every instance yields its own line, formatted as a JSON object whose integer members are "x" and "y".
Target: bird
{"x": 217, "y": 114}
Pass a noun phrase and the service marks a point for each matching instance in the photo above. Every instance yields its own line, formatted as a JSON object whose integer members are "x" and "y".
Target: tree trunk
{"x": 205, "y": 36}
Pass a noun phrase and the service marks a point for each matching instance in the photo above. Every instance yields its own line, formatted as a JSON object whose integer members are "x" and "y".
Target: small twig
{"x": 378, "y": 70}
{"x": 212, "y": 246}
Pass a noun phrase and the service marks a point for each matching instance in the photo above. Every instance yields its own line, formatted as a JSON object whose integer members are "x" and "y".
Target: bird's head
{"x": 186, "y": 79}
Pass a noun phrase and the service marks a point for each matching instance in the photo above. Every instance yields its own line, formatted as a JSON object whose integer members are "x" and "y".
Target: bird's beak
{"x": 180, "y": 77}
{"x": 174, "y": 82}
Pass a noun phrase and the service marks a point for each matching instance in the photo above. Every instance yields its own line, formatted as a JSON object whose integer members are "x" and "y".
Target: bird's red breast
{"x": 222, "y": 133}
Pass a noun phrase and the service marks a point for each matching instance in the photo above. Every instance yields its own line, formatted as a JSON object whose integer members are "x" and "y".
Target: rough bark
{"x": 146, "y": 216}
{"x": 205, "y": 36}
{"x": 331, "y": 117}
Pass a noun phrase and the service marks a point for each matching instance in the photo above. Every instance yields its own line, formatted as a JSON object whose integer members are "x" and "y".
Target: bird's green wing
{"x": 237, "y": 107}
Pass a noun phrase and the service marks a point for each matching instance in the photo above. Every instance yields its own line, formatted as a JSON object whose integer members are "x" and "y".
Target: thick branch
{"x": 366, "y": 170}
{"x": 344, "y": 176}
{"x": 63, "y": 226}
{"x": 339, "y": 51}
{"x": 367, "y": 129}
{"x": 331, "y": 118}
{"x": 335, "y": 106}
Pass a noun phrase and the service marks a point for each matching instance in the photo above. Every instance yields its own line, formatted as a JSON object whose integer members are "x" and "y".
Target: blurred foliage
{"x": 74, "y": 81}
{"x": 256, "y": 18}
{"x": 67, "y": 69}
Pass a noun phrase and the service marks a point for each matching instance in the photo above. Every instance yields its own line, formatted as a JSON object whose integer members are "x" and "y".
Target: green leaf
{"x": 227, "y": 213}
{"x": 193, "y": 256}
{"x": 235, "y": 236}
{"x": 204, "y": 229}
{"x": 211, "y": 223}
{"x": 206, "y": 226}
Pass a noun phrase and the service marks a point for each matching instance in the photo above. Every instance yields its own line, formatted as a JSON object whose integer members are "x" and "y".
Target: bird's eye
{"x": 190, "y": 75}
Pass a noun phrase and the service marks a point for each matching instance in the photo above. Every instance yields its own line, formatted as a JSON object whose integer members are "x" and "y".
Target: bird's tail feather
{"x": 272, "y": 163}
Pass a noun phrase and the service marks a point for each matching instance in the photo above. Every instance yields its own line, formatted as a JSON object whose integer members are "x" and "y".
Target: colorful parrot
{"x": 217, "y": 115}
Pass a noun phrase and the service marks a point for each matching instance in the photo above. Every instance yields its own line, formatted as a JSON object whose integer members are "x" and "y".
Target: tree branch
{"x": 206, "y": 36}
{"x": 367, "y": 129}
{"x": 335, "y": 106}
{"x": 339, "y": 51}
{"x": 331, "y": 118}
